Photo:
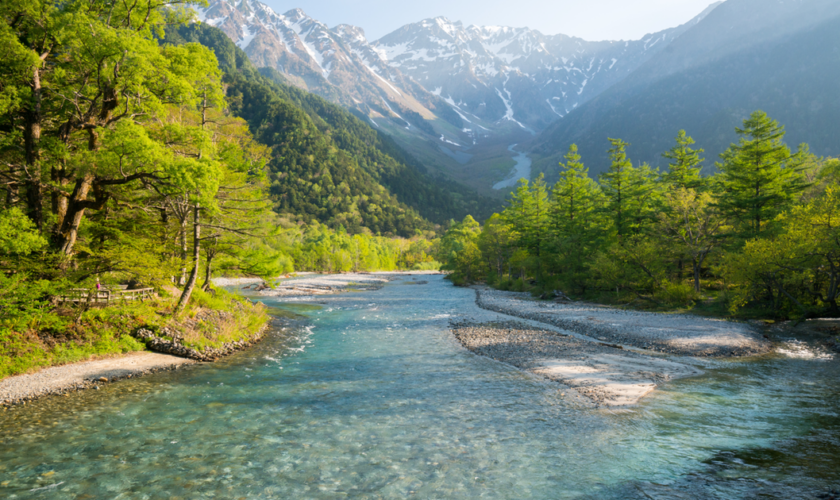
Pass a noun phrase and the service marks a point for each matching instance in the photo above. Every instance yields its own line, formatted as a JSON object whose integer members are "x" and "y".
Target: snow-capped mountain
{"x": 514, "y": 74}
{"x": 436, "y": 68}
{"x": 337, "y": 63}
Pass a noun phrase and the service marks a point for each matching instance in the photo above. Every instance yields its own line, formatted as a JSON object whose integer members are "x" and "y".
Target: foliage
{"x": 327, "y": 165}
{"x": 761, "y": 234}
{"x": 128, "y": 160}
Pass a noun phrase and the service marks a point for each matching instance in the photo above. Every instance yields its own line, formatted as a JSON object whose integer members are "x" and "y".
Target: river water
{"x": 367, "y": 395}
{"x": 522, "y": 170}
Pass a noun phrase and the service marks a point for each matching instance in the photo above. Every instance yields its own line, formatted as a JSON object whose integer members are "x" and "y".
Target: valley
{"x": 447, "y": 93}
{"x": 253, "y": 254}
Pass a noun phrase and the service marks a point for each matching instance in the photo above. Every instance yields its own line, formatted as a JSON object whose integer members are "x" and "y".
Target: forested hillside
{"x": 327, "y": 164}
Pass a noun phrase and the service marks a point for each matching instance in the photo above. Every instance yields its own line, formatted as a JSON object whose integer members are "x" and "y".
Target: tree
{"x": 576, "y": 222}
{"x": 684, "y": 166}
{"x": 459, "y": 250}
{"x": 496, "y": 245}
{"x": 632, "y": 193}
{"x": 760, "y": 178}
{"x": 692, "y": 223}
{"x": 528, "y": 217}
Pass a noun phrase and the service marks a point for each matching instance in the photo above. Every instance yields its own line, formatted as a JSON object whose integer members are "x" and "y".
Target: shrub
{"x": 679, "y": 294}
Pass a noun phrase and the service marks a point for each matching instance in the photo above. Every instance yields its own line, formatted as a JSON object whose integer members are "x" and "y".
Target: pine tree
{"x": 576, "y": 223}
{"x": 632, "y": 194}
{"x": 528, "y": 216}
{"x": 760, "y": 178}
{"x": 684, "y": 167}
{"x": 615, "y": 183}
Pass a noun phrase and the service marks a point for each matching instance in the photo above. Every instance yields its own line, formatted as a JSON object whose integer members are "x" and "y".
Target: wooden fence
{"x": 106, "y": 296}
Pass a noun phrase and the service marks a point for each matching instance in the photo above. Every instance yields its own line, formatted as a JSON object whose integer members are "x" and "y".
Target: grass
{"x": 77, "y": 334}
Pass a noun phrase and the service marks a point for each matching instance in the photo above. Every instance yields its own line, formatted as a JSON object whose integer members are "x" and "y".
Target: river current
{"x": 368, "y": 395}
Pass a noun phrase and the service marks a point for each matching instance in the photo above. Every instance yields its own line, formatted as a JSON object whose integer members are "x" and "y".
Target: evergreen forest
{"x": 759, "y": 238}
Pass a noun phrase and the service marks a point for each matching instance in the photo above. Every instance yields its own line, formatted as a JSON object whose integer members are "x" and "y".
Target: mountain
{"x": 335, "y": 63}
{"x": 327, "y": 164}
{"x": 455, "y": 98}
{"x": 782, "y": 57}
{"x": 514, "y": 74}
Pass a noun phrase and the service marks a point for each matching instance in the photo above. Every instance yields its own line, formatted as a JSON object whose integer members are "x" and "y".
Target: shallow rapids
{"x": 368, "y": 395}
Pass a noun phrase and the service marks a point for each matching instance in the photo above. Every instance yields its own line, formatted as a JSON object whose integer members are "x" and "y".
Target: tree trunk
{"x": 208, "y": 271}
{"x": 697, "y": 263}
{"x": 75, "y": 211}
{"x": 188, "y": 289}
{"x": 183, "y": 280}
{"x": 59, "y": 202}
{"x": 32, "y": 139}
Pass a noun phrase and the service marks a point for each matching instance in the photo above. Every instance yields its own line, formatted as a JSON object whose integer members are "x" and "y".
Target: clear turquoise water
{"x": 367, "y": 395}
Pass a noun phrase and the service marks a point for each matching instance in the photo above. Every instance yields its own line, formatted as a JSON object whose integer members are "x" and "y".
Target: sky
{"x": 588, "y": 19}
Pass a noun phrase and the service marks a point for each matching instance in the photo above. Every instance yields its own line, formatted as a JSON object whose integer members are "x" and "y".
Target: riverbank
{"x": 63, "y": 380}
{"x": 678, "y": 334}
{"x": 82, "y": 340}
{"x": 604, "y": 374}
{"x": 311, "y": 284}
{"x": 611, "y": 357}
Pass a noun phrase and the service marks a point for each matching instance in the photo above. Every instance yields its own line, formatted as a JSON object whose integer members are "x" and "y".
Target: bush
{"x": 678, "y": 294}
{"x": 427, "y": 266}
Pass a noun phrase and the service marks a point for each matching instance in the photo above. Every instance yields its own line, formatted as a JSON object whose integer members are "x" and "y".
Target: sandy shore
{"x": 666, "y": 333}
{"x": 86, "y": 375}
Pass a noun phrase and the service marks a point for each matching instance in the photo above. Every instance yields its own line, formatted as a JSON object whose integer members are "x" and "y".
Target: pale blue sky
{"x": 588, "y": 19}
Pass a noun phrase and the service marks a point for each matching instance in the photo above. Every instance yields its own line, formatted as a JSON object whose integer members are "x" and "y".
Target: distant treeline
{"x": 763, "y": 232}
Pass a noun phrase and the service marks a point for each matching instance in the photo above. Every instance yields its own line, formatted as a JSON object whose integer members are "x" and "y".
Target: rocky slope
{"x": 336, "y": 63}
{"x": 514, "y": 74}
{"x": 454, "y": 97}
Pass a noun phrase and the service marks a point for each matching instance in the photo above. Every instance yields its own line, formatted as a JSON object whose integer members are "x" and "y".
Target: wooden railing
{"x": 106, "y": 296}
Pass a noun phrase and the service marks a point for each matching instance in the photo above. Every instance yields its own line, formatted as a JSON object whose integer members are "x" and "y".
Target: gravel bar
{"x": 64, "y": 379}
{"x": 606, "y": 375}
{"x": 666, "y": 333}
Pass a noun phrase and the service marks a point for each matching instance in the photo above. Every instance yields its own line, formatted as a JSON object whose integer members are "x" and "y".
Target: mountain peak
{"x": 349, "y": 31}
{"x": 296, "y": 15}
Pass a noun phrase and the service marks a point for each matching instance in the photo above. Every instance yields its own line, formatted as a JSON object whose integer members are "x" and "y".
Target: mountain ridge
{"x": 744, "y": 56}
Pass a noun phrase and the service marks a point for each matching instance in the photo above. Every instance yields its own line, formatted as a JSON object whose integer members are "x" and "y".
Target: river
{"x": 368, "y": 395}
{"x": 522, "y": 170}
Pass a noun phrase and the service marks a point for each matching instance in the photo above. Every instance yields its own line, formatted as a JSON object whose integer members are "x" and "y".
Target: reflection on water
{"x": 369, "y": 396}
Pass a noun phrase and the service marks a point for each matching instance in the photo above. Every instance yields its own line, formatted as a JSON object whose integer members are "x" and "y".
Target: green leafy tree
{"x": 528, "y": 215}
{"x": 692, "y": 225}
{"x": 684, "y": 167}
{"x": 459, "y": 251}
{"x": 577, "y": 222}
{"x": 760, "y": 178}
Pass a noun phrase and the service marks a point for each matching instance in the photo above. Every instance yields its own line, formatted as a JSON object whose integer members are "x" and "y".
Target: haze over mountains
{"x": 456, "y": 96}
{"x": 782, "y": 57}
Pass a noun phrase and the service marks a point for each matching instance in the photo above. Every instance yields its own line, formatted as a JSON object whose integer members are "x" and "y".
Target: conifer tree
{"x": 575, "y": 219}
{"x": 760, "y": 178}
{"x": 528, "y": 216}
{"x": 684, "y": 166}
{"x": 631, "y": 193}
